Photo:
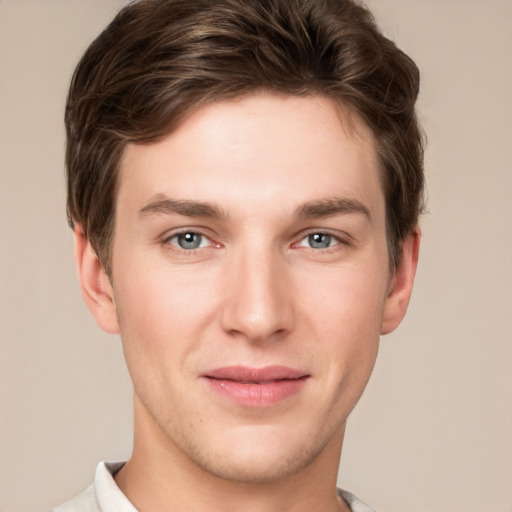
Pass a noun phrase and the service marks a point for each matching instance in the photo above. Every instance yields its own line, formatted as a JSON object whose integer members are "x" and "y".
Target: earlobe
{"x": 96, "y": 288}
{"x": 401, "y": 283}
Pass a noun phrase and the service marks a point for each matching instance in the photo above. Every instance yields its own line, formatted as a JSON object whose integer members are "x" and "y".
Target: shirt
{"x": 103, "y": 495}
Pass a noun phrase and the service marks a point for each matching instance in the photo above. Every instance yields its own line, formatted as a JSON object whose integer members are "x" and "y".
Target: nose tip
{"x": 258, "y": 326}
{"x": 258, "y": 305}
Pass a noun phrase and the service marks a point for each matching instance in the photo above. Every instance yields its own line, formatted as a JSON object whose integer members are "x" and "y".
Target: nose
{"x": 259, "y": 303}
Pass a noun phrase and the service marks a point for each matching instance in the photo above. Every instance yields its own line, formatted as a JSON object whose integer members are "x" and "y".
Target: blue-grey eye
{"x": 189, "y": 240}
{"x": 319, "y": 241}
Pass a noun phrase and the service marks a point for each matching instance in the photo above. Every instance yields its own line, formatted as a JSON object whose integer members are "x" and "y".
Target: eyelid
{"x": 336, "y": 240}
{"x": 203, "y": 241}
{"x": 169, "y": 235}
{"x": 341, "y": 237}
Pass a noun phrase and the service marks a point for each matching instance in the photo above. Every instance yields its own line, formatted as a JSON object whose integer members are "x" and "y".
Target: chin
{"x": 257, "y": 469}
{"x": 260, "y": 459}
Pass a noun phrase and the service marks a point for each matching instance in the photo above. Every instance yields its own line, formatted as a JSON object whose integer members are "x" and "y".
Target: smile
{"x": 256, "y": 387}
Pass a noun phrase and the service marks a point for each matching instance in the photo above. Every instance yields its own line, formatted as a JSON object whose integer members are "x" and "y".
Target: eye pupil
{"x": 319, "y": 240}
{"x": 189, "y": 240}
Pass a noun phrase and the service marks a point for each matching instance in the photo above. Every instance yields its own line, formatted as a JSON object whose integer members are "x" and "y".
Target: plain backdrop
{"x": 433, "y": 432}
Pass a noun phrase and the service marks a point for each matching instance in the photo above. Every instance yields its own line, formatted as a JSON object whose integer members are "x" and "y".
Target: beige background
{"x": 433, "y": 431}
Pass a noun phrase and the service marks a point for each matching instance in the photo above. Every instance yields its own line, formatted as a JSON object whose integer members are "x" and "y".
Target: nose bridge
{"x": 259, "y": 304}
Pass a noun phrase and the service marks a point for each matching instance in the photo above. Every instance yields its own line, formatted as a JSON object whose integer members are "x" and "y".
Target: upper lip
{"x": 250, "y": 374}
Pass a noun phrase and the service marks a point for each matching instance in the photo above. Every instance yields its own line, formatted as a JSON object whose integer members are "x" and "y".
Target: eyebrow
{"x": 161, "y": 204}
{"x": 332, "y": 206}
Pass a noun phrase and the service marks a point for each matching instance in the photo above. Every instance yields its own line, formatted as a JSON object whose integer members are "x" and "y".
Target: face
{"x": 251, "y": 283}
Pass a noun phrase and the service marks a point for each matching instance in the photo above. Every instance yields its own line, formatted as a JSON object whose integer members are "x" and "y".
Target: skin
{"x": 269, "y": 171}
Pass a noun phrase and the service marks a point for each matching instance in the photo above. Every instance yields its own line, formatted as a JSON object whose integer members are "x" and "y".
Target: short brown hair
{"x": 159, "y": 59}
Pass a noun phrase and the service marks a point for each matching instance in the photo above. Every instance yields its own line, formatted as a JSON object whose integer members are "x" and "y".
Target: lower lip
{"x": 257, "y": 395}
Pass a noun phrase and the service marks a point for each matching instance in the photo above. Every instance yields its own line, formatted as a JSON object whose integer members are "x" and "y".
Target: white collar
{"x": 108, "y": 494}
{"x": 110, "y": 497}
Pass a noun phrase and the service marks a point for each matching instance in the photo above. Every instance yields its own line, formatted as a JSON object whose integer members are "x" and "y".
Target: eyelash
{"x": 338, "y": 241}
{"x": 168, "y": 240}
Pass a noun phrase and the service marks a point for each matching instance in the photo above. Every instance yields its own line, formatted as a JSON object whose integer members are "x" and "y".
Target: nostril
{"x": 259, "y": 305}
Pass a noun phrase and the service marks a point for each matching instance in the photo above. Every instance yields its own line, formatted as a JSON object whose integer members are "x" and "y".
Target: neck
{"x": 161, "y": 477}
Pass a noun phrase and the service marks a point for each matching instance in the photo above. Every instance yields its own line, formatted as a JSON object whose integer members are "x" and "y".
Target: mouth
{"x": 256, "y": 387}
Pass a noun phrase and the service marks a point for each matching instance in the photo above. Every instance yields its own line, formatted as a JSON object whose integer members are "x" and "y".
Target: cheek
{"x": 344, "y": 300}
{"x": 352, "y": 334}
{"x": 162, "y": 315}
{"x": 345, "y": 314}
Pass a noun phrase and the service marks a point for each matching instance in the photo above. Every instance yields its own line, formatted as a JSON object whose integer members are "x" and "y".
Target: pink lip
{"x": 256, "y": 387}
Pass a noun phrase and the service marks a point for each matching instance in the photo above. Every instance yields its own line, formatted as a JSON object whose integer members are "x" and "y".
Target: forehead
{"x": 266, "y": 147}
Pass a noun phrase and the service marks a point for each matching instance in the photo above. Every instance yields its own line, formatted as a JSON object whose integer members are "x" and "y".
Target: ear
{"x": 96, "y": 288}
{"x": 401, "y": 282}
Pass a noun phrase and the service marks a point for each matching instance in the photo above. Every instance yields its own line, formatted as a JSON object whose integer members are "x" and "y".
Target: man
{"x": 244, "y": 183}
